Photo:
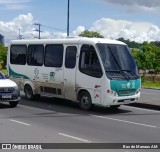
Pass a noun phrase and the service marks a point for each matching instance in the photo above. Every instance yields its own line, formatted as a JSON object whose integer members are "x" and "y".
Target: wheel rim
{"x": 28, "y": 92}
{"x": 85, "y": 101}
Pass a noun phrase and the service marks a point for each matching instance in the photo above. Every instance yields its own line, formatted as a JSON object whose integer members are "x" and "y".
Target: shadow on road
{"x": 146, "y": 106}
{"x": 65, "y": 106}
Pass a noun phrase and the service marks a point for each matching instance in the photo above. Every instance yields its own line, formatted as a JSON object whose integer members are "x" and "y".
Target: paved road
{"x": 60, "y": 121}
{"x": 150, "y": 96}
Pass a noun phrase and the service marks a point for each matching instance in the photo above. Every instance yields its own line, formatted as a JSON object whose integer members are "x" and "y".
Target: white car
{"x": 9, "y": 91}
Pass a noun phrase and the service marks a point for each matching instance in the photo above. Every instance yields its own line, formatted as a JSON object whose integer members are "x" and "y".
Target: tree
{"x": 131, "y": 44}
{"x": 145, "y": 58}
{"x": 88, "y": 33}
{"x": 156, "y": 64}
{"x": 148, "y": 58}
{"x": 3, "y": 56}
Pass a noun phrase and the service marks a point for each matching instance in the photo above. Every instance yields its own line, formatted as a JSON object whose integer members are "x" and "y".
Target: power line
{"x": 53, "y": 28}
{"x": 39, "y": 29}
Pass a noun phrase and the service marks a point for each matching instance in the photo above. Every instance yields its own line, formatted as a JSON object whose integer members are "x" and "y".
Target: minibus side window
{"x": 70, "y": 59}
{"x": 18, "y": 54}
{"x": 53, "y": 55}
{"x": 35, "y": 55}
{"x": 89, "y": 63}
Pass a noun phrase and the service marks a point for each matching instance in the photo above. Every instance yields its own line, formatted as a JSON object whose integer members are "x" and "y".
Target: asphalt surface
{"x": 150, "y": 96}
{"x": 52, "y": 120}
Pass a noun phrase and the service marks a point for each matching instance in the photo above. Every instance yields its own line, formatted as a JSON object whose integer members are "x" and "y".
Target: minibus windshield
{"x": 118, "y": 61}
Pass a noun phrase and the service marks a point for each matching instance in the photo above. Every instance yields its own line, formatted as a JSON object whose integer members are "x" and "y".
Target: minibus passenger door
{"x": 89, "y": 76}
{"x": 70, "y": 73}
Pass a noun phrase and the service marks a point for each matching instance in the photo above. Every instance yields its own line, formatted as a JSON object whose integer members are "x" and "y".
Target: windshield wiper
{"x": 123, "y": 71}
{"x": 112, "y": 70}
{"x": 131, "y": 72}
{"x": 120, "y": 71}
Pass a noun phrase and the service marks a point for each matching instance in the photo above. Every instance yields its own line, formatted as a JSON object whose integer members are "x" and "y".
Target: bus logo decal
{"x": 128, "y": 85}
{"x": 52, "y": 76}
{"x": 36, "y": 72}
{"x": 133, "y": 84}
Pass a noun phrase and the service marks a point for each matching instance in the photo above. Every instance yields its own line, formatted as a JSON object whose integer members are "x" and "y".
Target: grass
{"x": 4, "y": 71}
{"x": 149, "y": 84}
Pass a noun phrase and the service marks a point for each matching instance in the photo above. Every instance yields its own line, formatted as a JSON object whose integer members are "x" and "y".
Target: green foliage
{"x": 4, "y": 71}
{"x": 131, "y": 44}
{"x": 88, "y": 33}
{"x": 148, "y": 58}
{"x": 151, "y": 84}
{"x": 3, "y": 56}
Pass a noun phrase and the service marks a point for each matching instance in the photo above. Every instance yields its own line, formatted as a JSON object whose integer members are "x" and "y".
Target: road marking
{"x": 142, "y": 109}
{"x": 69, "y": 136}
{"x": 130, "y": 122}
{"x": 20, "y": 122}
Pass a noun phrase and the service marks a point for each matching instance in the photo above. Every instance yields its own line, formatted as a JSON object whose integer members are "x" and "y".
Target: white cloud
{"x": 78, "y": 31}
{"x": 24, "y": 24}
{"x": 137, "y": 5}
{"x": 109, "y": 28}
{"x": 135, "y": 31}
{"x": 10, "y": 29}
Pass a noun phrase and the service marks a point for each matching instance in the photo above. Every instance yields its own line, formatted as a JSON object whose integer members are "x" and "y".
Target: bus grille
{"x": 127, "y": 92}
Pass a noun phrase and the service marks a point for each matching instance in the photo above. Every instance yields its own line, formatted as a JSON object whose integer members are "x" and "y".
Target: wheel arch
{"x": 83, "y": 90}
{"x": 31, "y": 85}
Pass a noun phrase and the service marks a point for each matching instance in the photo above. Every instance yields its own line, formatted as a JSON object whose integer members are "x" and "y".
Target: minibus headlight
{"x": 112, "y": 93}
{"x": 138, "y": 91}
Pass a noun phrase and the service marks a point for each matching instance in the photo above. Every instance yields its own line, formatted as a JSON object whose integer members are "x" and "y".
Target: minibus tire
{"x": 28, "y": 92}
{"x": 13, "y": 104}
{"x": 85, "y": 101}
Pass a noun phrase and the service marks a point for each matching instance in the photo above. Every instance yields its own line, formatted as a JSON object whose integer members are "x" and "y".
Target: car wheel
{"x": 13, "y": 104}
{"x": 85, "y": 102}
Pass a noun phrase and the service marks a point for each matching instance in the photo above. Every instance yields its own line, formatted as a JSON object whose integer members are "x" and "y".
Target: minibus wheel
{"x": 28, "y": 92}
{"x": 85, "y": 102}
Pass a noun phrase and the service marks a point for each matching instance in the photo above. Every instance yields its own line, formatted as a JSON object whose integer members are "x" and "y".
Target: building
{"x": 1, "y": 39}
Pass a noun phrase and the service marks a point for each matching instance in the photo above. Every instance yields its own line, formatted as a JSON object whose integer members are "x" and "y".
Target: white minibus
{"x": 90, "y": 71}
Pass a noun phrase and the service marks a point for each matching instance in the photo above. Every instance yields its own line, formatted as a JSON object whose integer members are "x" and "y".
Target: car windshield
{"x": 2, "y": 76}
{"x": 118, "y": 61}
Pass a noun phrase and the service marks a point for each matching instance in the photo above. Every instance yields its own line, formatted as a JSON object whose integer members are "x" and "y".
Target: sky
{"x": 137, "y": 20}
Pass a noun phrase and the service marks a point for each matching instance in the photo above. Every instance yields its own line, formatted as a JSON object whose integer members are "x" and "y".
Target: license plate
{"x": 6, "y": 96}
{"x": 127, "y": 101}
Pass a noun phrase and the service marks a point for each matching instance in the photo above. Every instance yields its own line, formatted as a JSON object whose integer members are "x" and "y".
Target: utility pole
{"x": 68, "y": 18}
{"x": 39, "y": 29}
{"x": 20, "y": 36}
